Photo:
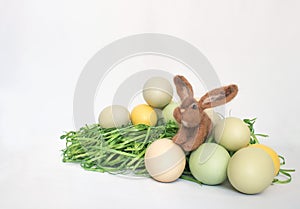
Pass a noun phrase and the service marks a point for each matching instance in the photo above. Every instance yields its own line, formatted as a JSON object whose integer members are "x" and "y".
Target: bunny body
{"x": 195, "y": 125}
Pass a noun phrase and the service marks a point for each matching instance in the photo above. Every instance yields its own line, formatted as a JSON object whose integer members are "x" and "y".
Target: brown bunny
{"x": 195, "y": 124}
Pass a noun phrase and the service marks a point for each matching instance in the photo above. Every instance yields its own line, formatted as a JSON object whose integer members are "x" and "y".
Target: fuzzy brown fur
{"x": 195, "y": 125}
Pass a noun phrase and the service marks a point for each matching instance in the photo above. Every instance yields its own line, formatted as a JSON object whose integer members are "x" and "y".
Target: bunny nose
{"x": 182, "y": 110}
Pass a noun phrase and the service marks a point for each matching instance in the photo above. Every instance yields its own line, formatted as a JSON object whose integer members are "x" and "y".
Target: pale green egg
{"x": 168, "y": 110}
{"x": 208, "y": 163}
{"x": 232, "y": 133}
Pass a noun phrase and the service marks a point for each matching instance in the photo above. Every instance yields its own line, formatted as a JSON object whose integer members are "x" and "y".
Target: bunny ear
{"x": 183, "y": 87}
{"x": 218, "y": 96}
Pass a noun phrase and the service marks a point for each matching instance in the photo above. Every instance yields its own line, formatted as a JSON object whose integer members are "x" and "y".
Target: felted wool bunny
{"x": 195, "y": 125}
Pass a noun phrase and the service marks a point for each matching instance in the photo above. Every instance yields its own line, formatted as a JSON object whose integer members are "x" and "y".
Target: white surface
{"x": 44, "y": 45}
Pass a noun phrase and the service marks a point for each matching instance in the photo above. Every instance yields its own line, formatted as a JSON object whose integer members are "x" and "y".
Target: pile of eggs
{"x": 157, "y": 93}
{"x": 250, "y": 170}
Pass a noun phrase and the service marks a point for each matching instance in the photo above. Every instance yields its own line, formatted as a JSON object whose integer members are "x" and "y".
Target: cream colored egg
{"x": 114, "y": 116}
{"x": 157, "y": 92}
{"x": 165, "y": 160}
{"x": 250, "y": 170}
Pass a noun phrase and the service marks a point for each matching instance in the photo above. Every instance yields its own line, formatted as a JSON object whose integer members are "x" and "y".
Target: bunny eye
{"x": 194, "y": 106}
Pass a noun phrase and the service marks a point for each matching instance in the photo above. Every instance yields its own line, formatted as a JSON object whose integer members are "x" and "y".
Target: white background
{"x": 44, "y": 46}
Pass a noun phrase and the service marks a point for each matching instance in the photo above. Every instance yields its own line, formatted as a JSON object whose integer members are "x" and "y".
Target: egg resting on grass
{"x": 143, "y": 114}
{"x": 114, "y": 116}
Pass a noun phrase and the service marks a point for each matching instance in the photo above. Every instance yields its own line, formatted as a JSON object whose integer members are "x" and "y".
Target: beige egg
{"x": 165, "y": 160}
{"x": 157, "y": 92}
{"x": 114, "y": 116}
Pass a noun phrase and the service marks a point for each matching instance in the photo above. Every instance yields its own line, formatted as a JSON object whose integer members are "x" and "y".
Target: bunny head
{"x": 188, "y": 112}
{"x": 195, "y": 124}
